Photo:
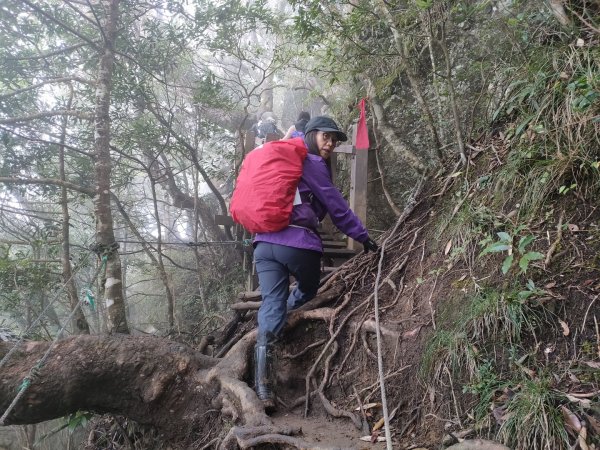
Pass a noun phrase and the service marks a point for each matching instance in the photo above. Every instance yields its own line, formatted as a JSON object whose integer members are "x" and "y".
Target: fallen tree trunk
{"x": 151, "y": 380}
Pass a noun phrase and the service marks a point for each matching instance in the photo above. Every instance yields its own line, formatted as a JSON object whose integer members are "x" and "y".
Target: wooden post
{"x": 358, "y": 184}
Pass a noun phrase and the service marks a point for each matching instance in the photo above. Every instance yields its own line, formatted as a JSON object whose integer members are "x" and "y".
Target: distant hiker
{"x": 297, "y": 248}
{"x": 265, "y": 126}
{"x": 297, "y": 130}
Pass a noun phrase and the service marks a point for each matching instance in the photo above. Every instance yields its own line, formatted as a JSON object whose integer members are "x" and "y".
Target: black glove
{"x": 370, "y": 245}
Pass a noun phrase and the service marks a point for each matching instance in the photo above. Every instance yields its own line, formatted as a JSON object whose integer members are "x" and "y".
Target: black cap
{"x": 323, "y": 123}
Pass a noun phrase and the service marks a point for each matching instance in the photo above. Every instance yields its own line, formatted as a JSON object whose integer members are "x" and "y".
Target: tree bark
{"x": 105, "y": 237}
{"x": 151, "y": 380}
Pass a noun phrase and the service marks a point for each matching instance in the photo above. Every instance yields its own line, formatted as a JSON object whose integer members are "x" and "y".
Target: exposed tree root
{"x": 249, "y": 436}
{"x": 329, "y": 343}
{"x": 305, "y": 350}
{"x": 335, "y": 412}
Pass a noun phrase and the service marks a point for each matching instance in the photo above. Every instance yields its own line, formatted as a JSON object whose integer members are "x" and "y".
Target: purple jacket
{"x": 319, "y": 197}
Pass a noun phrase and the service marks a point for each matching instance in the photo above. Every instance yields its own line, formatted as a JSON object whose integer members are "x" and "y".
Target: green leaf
{"x": 527, "y": 257}
{"x": 539, "y": 128}
{"x": 534, "y": 256}
{"x": 523, "y": 125}
{"x": 524, "y": 295}
{"x": 496, "y": 247}
{"x": 507, "y": 264}
{"x": 505, "y": 237}
{"x": 524, "y": 242}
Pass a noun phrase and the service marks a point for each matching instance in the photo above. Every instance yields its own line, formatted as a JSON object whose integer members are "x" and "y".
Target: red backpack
{"x": 264, "y": 193}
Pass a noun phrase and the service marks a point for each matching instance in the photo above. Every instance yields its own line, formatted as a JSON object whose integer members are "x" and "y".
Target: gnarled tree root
{"x": 248, "y": 437}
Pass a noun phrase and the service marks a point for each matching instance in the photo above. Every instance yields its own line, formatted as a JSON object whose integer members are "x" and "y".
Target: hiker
{"x": 297, "y": 130}
{"x": 296, "y": 249}
{"x": 267, "y": 125}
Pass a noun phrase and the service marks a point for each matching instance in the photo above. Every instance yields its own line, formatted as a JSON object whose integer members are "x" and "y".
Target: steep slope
{"x": 466, "y": 349}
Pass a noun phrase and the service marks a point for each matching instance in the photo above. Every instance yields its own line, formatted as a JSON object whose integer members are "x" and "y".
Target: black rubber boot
{"x": 264, "y": 375}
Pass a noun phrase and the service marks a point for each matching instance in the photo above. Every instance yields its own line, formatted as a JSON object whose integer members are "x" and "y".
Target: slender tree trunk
{"x": 390, "y": 135}
{"x": 156, "y": 262}
{"x": 179, "y": 197}
{"x": 160, "y": 266}
{"x": 436, "y": 84}
{"x": 381, "y": 6}
{"x": 79, "y": 322}
{"x": 105, "y": 237}
{"x": 378, "y": 147}
{"x": 452, "y": 95}
{"x": 266, "y": 96}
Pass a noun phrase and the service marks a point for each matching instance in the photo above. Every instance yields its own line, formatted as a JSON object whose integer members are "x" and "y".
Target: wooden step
{"x": 335, "y": 244}
{"x": 339, "y": 252}
{"x": 249, "y": 296}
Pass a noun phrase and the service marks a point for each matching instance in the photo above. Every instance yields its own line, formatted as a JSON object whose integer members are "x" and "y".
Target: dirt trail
{"x": 325, "y": 432}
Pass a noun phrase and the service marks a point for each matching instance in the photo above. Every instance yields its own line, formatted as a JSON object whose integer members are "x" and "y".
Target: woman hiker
{"x": 297, "y": 249}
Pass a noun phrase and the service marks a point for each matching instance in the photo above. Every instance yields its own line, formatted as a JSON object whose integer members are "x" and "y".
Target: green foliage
{"x": 487, "y": 316}
{"x": 498, "y": 316}
{"x": 584, "y": 91}
{"x": 210, "y": 91}
{"x": 551, "y": 107}
{"x": 527, "y": 409}
{"x": 72, "y": 422}
{"x": 485, "y": 384}
{"x": 424, "y": 4}
{"x": 466, "y": 227}
{"x": 451, "y": 350}
{"x": 78, "y": 420}
{"x": 21, "y": 280}
{"x": 468, "y": 332}
{"x": 532, "y": 419}
{"x": 505, "y": 244}
{"x": 529, "y": 291}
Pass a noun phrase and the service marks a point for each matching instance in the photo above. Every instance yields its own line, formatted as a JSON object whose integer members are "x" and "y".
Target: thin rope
{"x": 34, "y": 370}
{"x": 39, "y": 318}
{"x": 386, "y": 417}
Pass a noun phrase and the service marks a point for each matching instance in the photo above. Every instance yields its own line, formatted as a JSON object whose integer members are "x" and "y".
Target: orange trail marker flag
{"x": 362, "y": 133}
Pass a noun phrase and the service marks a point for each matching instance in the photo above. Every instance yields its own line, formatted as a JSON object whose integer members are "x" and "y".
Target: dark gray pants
{"x": 274, "y": 264}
